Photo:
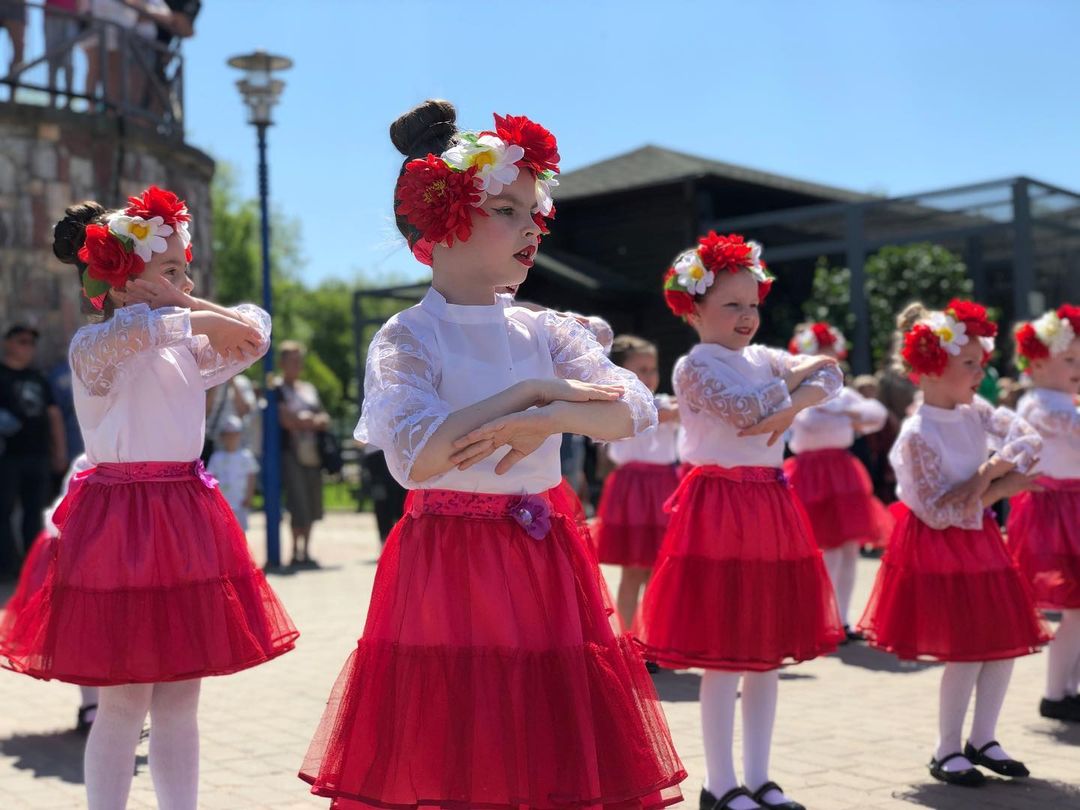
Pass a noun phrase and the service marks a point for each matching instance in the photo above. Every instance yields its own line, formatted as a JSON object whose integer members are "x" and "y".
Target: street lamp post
{"x": 260, "y": 92}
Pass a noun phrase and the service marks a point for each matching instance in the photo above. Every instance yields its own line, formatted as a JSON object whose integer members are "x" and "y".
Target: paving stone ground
{"x": 854, "y": 730}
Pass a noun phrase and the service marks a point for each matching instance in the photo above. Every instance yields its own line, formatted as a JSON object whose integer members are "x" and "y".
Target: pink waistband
{"x": 1059, "y": 484}
{"x": 146, "y": 471}
{"x": 745, "y": 475}
{"x": 469, "y": 504}
{"x": 645, "y": 466}
{"x": 822, "y": 452}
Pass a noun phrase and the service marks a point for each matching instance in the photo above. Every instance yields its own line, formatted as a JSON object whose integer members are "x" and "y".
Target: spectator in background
{"x": 33, "y": 447}
{"x": 13, "y": 20}
{"x": 172, "y": 21}
{"x": 60, "y": 381}
{"x": 877, "y": 445}
{"x": 234, "y": 467}
{"x": 233, "y": 398}
{"x": 61, "y": 29}
{"x": 302, "y": 416}
{"x": 387, "y": 495}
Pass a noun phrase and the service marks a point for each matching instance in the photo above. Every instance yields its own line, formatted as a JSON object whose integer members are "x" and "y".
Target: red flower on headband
{"x": 187, "y": 254}
{"x": 764, "y": 288}
{"x": 1070, "y": 313}
{"x": 158, "y": 202}
{"x": 438, "y": 201}
{"x": 923, "y": 351}
{"x": 541, "y": 149}
{"x": 823, "y": 334}
{"x": 730, "y": 253}
{"x": 107, "y": 259}
{"x": 1028, "y": 345}
{"x": 973, "y": 316}
{"x": 680, "y": 302}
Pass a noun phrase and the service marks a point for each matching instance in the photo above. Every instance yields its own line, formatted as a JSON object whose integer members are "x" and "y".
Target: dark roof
{"x": 654, "y": 166}
{"x": 578, "y": 271}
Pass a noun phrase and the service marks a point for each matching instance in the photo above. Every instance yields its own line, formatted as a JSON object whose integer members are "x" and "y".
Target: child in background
{"x": 234, "y": 467}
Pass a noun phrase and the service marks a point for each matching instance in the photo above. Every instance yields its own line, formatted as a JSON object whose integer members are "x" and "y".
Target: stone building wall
{"x": 52, "y": 158}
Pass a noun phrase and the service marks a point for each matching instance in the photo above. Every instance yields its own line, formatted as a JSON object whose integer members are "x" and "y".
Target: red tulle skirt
{"x": 151, "y": 580}
{"x": 1044, "y": 538}
{"x": 31, "y": 578}
{"x": 838, "y": 495}
{"x": 739, "y": 583}
{"x": 489, "y": 676}
{"x": 951, "y": 595}
{"x": 631, "y": 520}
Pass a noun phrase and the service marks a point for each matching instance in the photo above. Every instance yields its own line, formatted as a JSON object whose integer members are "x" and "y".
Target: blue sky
{"x": 889, "y": 97}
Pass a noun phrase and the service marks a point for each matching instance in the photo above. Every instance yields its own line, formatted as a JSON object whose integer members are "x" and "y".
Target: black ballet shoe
{"x": 1068, "y": 708}
{"x": 853, "y": 635}
{"x": 710, "y": 802}
{"x": 969, "y": 777}
{"x": 1005, "y": 767}
{"x": 82, "y": 725}
{"x": 759, "y": 797}
{"x": 652, "y": 667}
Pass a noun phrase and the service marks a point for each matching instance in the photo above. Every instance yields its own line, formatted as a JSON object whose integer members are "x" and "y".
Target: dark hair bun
{"x": 70, "y": 232}
{"x": 428, "y": 127}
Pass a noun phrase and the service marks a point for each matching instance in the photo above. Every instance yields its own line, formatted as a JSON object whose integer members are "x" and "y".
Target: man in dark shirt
{"x": 31, "y": 445}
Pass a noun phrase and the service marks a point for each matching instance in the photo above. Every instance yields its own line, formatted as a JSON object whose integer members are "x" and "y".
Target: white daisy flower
{"x": 494, "y": 159}
{"x": 147, "y": 235}
{"x": 1055, "y": 333}
{"x": 949, "y": 331}
{"x": 692, "y": 275}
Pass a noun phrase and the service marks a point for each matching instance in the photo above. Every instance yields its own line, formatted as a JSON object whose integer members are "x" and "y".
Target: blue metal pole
{"x": 271, "y": 467}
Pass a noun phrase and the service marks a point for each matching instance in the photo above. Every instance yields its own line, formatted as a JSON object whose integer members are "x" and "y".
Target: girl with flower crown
{"x": 489, "y": 673}
{"x": 150, "y": 585}
{"x": 947, "y": 589}
{"x": 739, "y": 587}
{"x": 1044, "y": 526}
{"x": 831, "y": 483}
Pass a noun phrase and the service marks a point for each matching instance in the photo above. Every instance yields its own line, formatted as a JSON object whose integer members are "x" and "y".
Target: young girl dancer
{"x": 631, "y": 519}
{"x": 32, "y": 577}
{"x": 488, "y": 674}
{"x": 947, "y": 589}
{"x": 832, "y": 484}
{"x": 151, "y": 586}
{"x": 1044, "y": 527}
{"x": 739, "y": 586}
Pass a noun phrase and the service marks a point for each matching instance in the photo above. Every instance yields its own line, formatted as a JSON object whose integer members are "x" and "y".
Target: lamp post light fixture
{"x": 260, "y": 91}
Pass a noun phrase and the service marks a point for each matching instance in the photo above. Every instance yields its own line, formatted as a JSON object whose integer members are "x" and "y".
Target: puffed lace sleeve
{"x": 101, "y": 354}
{"x": 922, "y": 484}
{"x": 1011, "y": 437}
{"x": 598, "y": 328}
{"x": 870, "y": 413}
{"x": 829, "y": 379}
{"x": 577, "y": 355}
{"x": 402, "y": 407}
{"x": 705, "y": 384}
{"x": 216, "y": 369}
{"x": 1060, "y": 424}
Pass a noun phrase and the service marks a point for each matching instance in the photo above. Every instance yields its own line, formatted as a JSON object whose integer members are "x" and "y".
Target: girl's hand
{"x": 775, "y": 425}
{"x": 1014, "y": 483}
{"x": 805, "y": 367}
{"x": 967, "y": 493}
{"x": 522, "y": 432}
{"x": 226, "y": 335}
{"x": 556, "y": 390}
{"x": 156, "y": 293}
{"x": 668, "y": 414}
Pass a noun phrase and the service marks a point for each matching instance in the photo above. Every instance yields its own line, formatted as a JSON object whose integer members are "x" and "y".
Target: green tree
{"x": 895, "y": 276}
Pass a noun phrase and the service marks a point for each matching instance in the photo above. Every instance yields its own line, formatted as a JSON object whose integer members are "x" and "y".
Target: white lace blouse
{"x": 139, "y": 382}
{"x": 1055, "y": 416}
{"x": 829, "y": 426}
{"x": 937, "y": 449}
{"x": 657, "y": 445}
{"x": 436, "y": 358}
{"x": 721, "y": 391}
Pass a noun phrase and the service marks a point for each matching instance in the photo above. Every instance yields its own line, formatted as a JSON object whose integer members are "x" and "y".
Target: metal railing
{"x": 115, "y": 69}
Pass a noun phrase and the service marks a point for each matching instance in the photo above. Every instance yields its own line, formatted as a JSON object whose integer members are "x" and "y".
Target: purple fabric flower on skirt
{"x": 204, "y": 475}
{"x": 533, "y": 514}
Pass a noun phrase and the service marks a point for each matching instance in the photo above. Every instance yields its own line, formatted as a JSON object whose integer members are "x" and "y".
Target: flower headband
{"x": 818, "y": 336}
{"x": 930, "y": 342}
{"x": 695, "y": 269}
{"x": 438, "y": 194}
{"x": 1049, "y": 335}
{"x": 119, "y": 249}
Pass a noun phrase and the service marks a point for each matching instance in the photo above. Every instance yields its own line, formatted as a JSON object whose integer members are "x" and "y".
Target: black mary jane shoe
{"x": 82, "y": 724}
{"x": 710, "y": 802}
{"x": 1068, "y": 709}
{"x": 759, "y": 797}
{"x": 969, "y": 777}
{"x": 652, "y": 668}
{"x": 1004, "y": 767}
{"x": 852, "y": 634}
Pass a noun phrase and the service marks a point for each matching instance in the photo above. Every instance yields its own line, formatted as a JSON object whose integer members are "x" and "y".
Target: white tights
{"x": 719, "y": 691}
{"x": 1063, "y": 660}
{"x": 174, "y": 744}
{"x": 841, "y": 562}
{"x": 990, "y": 681}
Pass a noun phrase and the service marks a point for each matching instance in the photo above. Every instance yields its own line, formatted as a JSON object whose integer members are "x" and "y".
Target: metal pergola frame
{"x": 971, "y": 222}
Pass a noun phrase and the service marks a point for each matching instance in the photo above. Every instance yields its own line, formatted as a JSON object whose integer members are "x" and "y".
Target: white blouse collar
{"x": 1059, "y": 398}
{"x": 434, "y": 303}
{"x": 942, "y": 414}
{"x": 715, "y": 350}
